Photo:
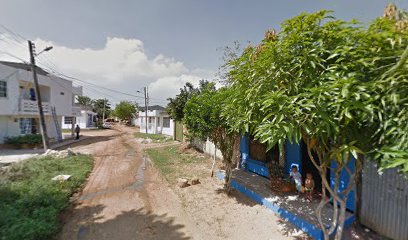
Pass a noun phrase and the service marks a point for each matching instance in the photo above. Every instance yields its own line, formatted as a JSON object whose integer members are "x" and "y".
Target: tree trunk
{"x": 228, "y": 178}
{"x": 342, "y": 219}
{"x": 213, "y": 164}
{"x": 359, "y": 168}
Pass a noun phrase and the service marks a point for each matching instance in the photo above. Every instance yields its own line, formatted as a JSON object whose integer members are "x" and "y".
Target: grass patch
{"x": 30, "y": 202}
{"x": 173, "y": 164}
{"x": 155, "y": 137}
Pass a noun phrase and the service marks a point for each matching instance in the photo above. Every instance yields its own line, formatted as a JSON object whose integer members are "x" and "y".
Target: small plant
{"x": 31, "y": 139}
{"x": 30, "y": 202}
{"x": 155, "y": 137}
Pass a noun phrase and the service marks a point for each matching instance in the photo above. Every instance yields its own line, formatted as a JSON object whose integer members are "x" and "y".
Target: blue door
{"x": 293, "y": 156}
{"x": 344, "y": 180}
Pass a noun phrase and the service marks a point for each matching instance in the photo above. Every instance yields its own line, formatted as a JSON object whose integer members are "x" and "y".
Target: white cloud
{"x": 170, "y": 86}
{"x": 122, "y": 64}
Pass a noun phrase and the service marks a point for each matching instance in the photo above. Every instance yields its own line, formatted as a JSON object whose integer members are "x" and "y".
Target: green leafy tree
{"x": 125, "y": 110}
{"x": 84, "y": 101}
{"x": 202, "y": 116}
{"x": 102, "y": 106}
{"x": 318, "y": 80}
{"x": 175, "y": 107}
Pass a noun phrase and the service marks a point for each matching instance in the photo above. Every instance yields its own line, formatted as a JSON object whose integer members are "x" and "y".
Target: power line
{"x": 16, "y": 35}
{"x": 19, "y": 39}
{"x": 14, "y": 56}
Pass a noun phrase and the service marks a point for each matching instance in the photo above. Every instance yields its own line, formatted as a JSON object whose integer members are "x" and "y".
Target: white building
{"x": 18, "y": 106}
{"x": 86, "y": 120}
{"x": 158, "y": 121}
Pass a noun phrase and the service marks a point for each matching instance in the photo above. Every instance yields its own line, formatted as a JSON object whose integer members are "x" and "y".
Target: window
{"x": 68, "y": 120}
{"x": 166, "y": 122}
{"x": 62, "y": 93}
{"x": 3, "y": 89}
{"x": 25, "y": 125}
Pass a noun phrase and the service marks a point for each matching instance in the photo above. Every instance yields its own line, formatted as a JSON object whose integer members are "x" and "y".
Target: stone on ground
{"x": 195, "y": 181}
{"x": 182, "y": 182}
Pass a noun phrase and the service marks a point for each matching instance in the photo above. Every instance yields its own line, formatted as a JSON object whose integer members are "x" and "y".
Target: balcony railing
{"x": 29, "y": 106}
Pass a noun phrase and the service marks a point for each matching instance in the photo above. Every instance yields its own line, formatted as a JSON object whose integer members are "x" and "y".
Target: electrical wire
{"x": 51, "y": 67}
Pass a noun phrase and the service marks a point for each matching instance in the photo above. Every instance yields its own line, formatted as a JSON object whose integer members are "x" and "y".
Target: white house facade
{"x": 18, "y": 106}
{"x": 86, "y": 120}
{"x": 158, "y": 121}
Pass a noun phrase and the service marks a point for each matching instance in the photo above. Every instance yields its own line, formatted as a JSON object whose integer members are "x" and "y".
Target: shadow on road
{"x": 87, "y": 141}
{"x": 134, "y": 224}
{"x": 239, "y": 197}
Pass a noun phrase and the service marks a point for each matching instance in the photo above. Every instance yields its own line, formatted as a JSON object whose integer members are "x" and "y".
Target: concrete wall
{"x": 10, "y": 127}
{"x": 168, "y": 131}
{"x": 207, "y": 147}
{"x": 9, "y": 105}
{"x": 51, "y": 128}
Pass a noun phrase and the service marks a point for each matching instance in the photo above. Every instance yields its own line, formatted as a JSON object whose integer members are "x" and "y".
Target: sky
{"x": 126, "y": 45}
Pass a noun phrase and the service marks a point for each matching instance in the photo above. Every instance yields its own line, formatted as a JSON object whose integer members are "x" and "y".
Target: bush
{"x": 30, "y": 202}
{"x": 31, "y": 139}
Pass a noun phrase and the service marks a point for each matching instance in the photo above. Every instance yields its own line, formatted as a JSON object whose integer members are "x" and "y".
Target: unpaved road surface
{"x": 125, "y": 198}
{"x": 116, "y": 203}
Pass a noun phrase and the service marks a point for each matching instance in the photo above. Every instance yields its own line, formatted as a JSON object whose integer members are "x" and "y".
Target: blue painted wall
{"x": 293, "y": 156}
{"x": 344, "y": 180}
{"x": 244, "y": 145}
{"x": 252, "y": 165}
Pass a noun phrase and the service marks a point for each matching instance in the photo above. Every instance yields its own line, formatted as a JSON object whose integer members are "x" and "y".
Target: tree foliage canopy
{"x": 175, "y": 107}
{"x": 322, "y": 79}
{"x": 125, "y": 110}
{"x": 338, "y": 86}
{"x": 102, "y": 105}
{"x": 84, "y": 101}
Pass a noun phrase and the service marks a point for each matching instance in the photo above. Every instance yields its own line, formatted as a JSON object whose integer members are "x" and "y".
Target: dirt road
{"x": 125, "y": 198}
{"x": 116, "y": 202}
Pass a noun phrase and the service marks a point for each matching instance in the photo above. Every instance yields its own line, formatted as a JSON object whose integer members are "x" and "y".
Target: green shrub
{"x": 31, "y": 139}
{"x": 30, "y": 202}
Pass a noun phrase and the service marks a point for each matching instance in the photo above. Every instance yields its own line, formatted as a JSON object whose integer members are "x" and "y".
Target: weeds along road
{"x": 123, "y": 197}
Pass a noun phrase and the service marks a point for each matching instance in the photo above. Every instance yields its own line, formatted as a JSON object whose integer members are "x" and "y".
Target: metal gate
{"x": 384, "y": 202}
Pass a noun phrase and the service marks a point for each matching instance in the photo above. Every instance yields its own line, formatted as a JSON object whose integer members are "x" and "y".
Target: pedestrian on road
{"x": 77, "y": 130}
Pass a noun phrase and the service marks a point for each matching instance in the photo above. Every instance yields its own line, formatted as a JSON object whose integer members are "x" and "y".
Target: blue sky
{"x": 186, "y": 32}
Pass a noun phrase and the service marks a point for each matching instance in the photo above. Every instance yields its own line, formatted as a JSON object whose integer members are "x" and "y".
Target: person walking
{"x": 77, "y": 131}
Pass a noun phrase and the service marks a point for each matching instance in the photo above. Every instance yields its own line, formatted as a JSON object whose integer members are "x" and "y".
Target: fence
{"x": 384, "y": 202}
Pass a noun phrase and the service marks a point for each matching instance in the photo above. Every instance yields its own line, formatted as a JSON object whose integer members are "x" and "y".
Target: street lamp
{"x": 43, "y": 127}
{"x": 44, "y": 50}
{"x": 146, "y": 98}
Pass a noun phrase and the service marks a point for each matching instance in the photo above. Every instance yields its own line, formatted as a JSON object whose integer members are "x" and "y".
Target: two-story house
{"x": 18, "y": 106}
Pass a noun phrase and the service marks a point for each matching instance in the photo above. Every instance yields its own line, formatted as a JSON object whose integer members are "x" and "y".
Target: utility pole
{"x": 146, "y": 107}
{"x": 103, "y": 113}
{"x": 43, "y": 127}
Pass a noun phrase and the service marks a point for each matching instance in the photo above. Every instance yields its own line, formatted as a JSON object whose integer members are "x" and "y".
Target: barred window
{"x": 68, "y": 120}
{"x": 166, "y": 122}
{"x": 25, "y": 125}
{"x": 3, "y": 89}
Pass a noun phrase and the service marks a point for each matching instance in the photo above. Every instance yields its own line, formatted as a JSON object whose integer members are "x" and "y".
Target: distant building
{"x": 18, "y": 106}
{"x": 86, "y": 119}
{"x": 158, "y": 121}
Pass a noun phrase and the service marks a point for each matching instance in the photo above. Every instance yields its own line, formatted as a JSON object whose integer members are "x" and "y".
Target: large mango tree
{"x": 321, "y": 80}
